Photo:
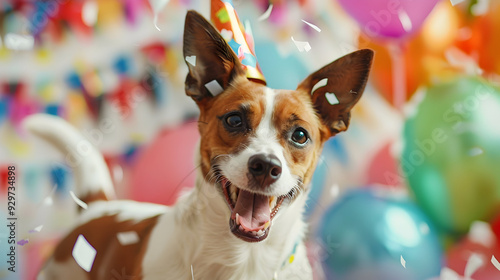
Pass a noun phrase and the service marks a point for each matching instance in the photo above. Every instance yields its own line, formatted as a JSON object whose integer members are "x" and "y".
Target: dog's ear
{"x": 211, "y": 61}
{"x": 337, "y": 87}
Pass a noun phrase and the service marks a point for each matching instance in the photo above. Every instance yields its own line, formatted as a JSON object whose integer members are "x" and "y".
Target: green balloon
{"x": 451, "y": 155}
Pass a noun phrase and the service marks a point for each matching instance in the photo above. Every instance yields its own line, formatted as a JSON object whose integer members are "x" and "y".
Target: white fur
{"x": 235, "y": 168}
{"x": 195, "y": 232}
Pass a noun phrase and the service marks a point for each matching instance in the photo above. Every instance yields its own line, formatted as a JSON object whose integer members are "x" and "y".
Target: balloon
{"x": 369, "y": 235}
{"x": 460, "y": 254}
{"x": 451, "y": 153}
{"x": 483, "y": 41}
{"x": 424, "y": 54}
{"x": 384, "y": 168}
{"x": 389, "y": 18}
{"x": 166, "y": 166}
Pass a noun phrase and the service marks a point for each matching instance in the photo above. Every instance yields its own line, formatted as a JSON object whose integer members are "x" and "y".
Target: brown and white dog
{"x": 258, "y": 151}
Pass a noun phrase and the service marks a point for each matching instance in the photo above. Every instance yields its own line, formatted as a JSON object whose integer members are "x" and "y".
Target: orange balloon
{"x": 483, "y": 40}
{"x": 423, "y": 54}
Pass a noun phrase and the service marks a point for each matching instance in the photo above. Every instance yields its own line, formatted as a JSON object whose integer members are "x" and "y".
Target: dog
{"x": 257, "y": 153}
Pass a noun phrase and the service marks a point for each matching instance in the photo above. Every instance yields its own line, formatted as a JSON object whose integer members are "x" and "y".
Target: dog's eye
{"x": 299, "y": 137}
{"x": 234, "y": 121}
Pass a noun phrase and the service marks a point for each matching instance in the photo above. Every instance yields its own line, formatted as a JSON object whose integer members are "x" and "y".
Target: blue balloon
{"x": 370, "y": 236}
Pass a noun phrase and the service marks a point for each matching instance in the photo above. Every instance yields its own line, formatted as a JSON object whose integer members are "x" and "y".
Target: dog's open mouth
{"x": 251, "y": 213}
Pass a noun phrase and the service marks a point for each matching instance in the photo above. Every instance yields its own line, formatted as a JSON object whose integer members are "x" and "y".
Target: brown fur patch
{"x": 112, "y": 258}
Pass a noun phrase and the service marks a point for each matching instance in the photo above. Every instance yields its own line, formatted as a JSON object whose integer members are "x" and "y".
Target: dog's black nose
{"x": 265, "y": 168}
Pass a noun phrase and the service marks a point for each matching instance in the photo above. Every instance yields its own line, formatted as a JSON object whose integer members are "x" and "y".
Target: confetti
{"x": 474, "y": 262}
{"x": 449, "y": 274}
{"x": 192, "y": 273}
{"x": 302, "y": 46}
{"x": 319, "y": 84}
{"x": 157, "y": 5}
{"x": 37, "y": 229}
{"x": 405, "y": 20}
{"x": 403, "y": 262}
{"x": 495, "y": 262}
{"x": 312, "y": 26}
{"x": 191, "y": 59}
{"x": 83, "y": 253}
{"x": 267, "y": 13}
{"x": 23, "y": 242}
{"x": 331, "y": 98}
{"x": 481, "y": 233}
{"x": 78, "y": 201}
{"x": 127, "y": 238}
{"x": 214, "y": 87}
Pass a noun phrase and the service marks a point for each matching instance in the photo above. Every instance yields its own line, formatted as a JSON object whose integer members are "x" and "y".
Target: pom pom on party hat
{"x": 225, "y": 19}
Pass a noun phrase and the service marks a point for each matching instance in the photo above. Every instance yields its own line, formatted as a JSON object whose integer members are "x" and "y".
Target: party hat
{"x": 225, "y": 19}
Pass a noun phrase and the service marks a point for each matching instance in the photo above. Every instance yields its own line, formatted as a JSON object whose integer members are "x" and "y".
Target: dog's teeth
{"x": 237, "y": 219}
{"x": 260, "y": 233}
{"x": 233, "y": 196}
{"x": 266, "y": 225}
{"x": 241, "y": 228}
{"x": 272, "y": 202}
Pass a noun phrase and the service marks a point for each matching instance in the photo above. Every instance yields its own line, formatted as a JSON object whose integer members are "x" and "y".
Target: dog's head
{"x": 259, "y": 146}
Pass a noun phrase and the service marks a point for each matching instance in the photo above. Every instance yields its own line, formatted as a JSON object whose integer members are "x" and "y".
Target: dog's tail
{"x": 93, "y": 181}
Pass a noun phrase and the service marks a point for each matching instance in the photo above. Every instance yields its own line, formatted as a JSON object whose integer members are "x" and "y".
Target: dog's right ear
{"x": 211, "y": 61}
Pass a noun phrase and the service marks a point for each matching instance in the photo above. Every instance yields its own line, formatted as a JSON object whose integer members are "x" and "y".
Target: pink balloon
{"x": 384, "y": 169}
{"x": 389, "y": 18}
{"x": 166, "y": 166}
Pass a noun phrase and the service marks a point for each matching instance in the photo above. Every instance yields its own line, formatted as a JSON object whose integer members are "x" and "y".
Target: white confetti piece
{"x": 481, "y": 233}
{"x": 191, "y": 59}
{"x": 312, "y": 26}
{"x": 127, "y": 237}
{"x": 331, "y": 98}
{"x": 302, "y": 46}
{"x": 475, "y": 151}
{"x": 454, "y": 2}
{"x": 474, "y": 262}
{"x": 448, "y": 274}
{"x": 495, "y": 262}
{"x": 405, "y": 20}
{"x": 319, "y": 84}
{"x": 78, "y": 201}
{"x": 214, "y": 87}
{"x": 267, "y": 13}
{"x": 83, "y": 253}
{"x": 403, "y": 262}
{"x": 37, "y": 229}
{"x": 157, "y": 5}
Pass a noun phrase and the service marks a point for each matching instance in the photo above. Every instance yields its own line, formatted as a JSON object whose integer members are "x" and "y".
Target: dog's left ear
{"x": 337, "y": 87}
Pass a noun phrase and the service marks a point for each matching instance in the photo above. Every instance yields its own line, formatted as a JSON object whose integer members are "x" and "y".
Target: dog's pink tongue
{"x": 253, "y": 210}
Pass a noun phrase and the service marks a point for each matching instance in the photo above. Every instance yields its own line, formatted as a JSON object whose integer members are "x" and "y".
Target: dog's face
{"x": 259, "y": 146}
